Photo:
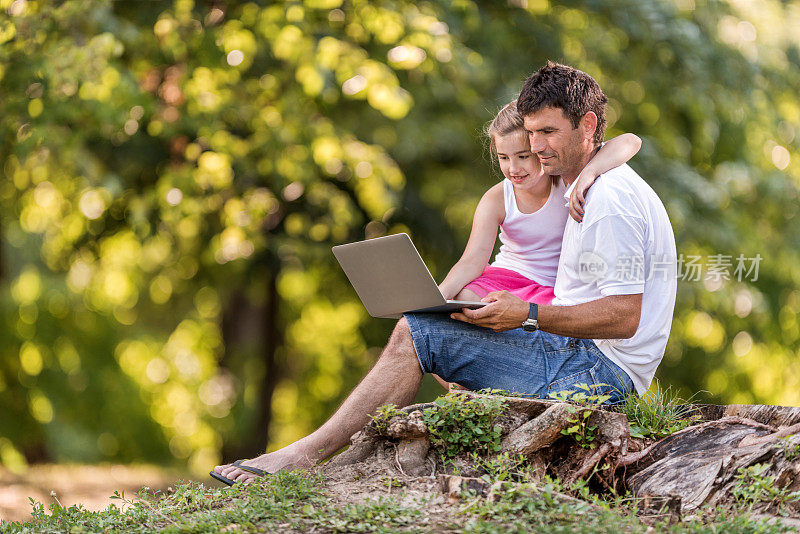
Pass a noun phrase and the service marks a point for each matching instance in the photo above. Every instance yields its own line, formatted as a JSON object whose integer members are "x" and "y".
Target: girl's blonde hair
{"x": 507, "y": 121}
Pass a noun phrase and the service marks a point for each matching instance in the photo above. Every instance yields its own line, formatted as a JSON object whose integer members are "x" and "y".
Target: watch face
{"x": 530, "y": 325}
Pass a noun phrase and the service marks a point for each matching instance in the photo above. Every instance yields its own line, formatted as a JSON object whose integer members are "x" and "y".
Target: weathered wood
{"x": 412, "y": 457}
{"x": 362, "y": 446}
{"x": 765, "y": 414}
{"x": 703, "y": 412}
{"x": 529, "y": 407}
{"x": 612, "y": 427}
{"x": 694, "y": 462}
{"x": 409, "y": 427}
{"x": 691, "y": 476}
{"x": 540, "y": 432}
{"x": 675, "y": 443}
{"x": 509, "y": 421}
{"x": 770, "y": 438}
{"x": 589, "y": 462}
{"x": 545, "y": 429}
{"x": 421, "y": 406}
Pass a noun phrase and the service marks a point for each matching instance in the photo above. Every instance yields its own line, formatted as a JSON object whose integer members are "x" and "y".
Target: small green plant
{"x": 754, "y": 486}
{"x": 790, "y": 450}
{"x": 383, "y": 415}
{"x": 504, "y": 467}
{"x": 458, "y": 424}
{"x": 391, "y": 482}
{"x": 544, "y": 507}
{"x": 658, "y": 413}
{"x": 383, "y": 514}
{"x": 580, "y": 429}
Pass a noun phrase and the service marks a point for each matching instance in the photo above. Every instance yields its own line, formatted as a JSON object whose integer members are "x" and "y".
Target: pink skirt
{"x": 499, "y": 279}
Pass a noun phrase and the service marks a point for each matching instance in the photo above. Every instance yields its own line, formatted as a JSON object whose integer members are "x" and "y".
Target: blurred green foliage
{"x": 174, "y": 174}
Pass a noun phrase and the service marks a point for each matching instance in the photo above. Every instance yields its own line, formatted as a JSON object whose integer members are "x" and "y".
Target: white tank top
{"x": 531, "y": 242}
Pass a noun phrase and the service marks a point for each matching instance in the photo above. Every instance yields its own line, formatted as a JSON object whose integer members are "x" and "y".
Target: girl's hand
{"x": 578, "y": 196}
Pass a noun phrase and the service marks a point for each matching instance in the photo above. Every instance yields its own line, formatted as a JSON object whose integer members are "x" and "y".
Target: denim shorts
{"x": 529, "y": 363}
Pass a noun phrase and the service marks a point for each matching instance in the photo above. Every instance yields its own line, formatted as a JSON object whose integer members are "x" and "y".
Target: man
{"x": 615, "y": 293}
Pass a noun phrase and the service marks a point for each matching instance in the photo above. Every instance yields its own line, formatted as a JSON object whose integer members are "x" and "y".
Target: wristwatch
{"x": 531, "y": 324}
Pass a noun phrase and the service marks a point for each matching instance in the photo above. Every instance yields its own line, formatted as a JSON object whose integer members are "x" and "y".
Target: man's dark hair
{"x": 572, "y": 90}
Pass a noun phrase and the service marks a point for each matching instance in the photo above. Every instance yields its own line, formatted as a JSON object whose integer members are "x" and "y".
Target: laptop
{"x": 391, "y": 279}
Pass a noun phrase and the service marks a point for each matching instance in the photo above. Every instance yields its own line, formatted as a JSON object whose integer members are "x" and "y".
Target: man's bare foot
{"x": 285, "y": 459}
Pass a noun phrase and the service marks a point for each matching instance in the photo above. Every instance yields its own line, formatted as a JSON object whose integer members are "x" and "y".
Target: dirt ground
{"x": 89, "y": 485}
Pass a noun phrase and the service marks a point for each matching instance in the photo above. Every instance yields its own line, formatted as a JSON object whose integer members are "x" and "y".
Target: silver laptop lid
{"x": 389, "y": 275}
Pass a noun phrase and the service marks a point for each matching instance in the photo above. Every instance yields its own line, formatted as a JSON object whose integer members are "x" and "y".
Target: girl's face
{"x": 516, "y": 160}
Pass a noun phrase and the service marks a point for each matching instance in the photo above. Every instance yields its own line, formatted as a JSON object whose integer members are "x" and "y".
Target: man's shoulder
{"x": 623, "y": 194}
{"x": 621, "y": 180}
{"x": 620, "y": 191}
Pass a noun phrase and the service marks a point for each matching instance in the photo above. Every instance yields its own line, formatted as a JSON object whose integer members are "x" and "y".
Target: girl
{"x": 528, "y": 208}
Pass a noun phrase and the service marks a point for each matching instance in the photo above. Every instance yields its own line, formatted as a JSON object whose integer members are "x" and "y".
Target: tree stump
{"x": 706, "y": 463}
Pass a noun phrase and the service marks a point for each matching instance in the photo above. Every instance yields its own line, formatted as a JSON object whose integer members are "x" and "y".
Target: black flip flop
{"x": 223, "y": 479}
{"x": 238, "y": 463}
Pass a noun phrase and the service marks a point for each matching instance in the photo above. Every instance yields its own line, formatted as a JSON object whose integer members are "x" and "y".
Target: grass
{"x": 301, "y": 502}
{"x": 283, "y": 502}
{"x": 520, "y": 510}
{"x": 754, "y": 486}
{"x": 191, "y": 507}
{"x": 298, "y": 502}
{"x": 790, "y": 450}
{"x": 658, "y": 413}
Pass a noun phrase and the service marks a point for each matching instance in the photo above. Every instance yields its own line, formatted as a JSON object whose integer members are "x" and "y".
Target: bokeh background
{"x": 174, "y": 174}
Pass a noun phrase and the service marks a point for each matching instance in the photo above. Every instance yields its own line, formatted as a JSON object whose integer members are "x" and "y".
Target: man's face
{"x": 559, "y": 146}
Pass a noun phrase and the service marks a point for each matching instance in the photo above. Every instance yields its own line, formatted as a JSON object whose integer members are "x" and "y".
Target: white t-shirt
{"x": 531, "y": 242}
{"x": 624, "y": 246}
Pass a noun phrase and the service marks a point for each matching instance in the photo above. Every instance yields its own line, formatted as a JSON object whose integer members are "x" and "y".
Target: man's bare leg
{"x": 394, "y": 379}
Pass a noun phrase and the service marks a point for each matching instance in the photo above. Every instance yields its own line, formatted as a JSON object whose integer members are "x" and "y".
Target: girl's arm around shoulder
{"x": 613, "y": 153}
{"x": 487, "y": 218}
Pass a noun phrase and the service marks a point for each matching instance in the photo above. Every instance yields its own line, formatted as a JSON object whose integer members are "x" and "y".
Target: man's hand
{"x": 504, "y": 312}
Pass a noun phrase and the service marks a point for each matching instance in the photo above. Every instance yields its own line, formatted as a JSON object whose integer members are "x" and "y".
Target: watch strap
{"x": 531, "y": 324}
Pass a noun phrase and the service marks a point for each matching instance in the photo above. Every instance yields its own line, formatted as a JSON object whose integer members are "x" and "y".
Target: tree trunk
{"x": 249, "y": 331}
{"x": 271, "y": 340}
